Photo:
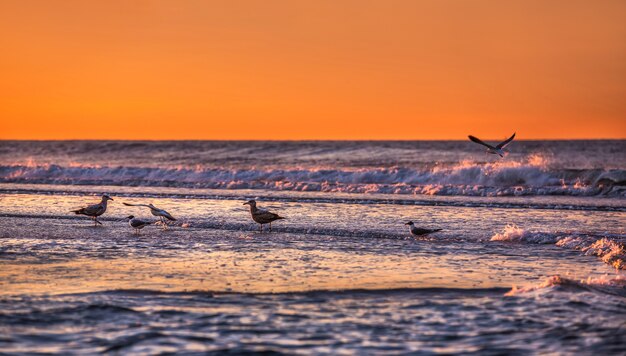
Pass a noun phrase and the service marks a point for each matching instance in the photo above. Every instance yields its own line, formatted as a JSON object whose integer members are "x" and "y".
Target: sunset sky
{"x": 337, "y": 69}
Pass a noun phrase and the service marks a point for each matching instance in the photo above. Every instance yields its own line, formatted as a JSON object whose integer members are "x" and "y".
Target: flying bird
{"x": 160, "y": 213}
{"x": 498, "y": 149}
{"x": 95, "y": 210}
{"x": 262, "y": 216}
{"x": 137, "y": 224}
{"x": 418, "y": 231}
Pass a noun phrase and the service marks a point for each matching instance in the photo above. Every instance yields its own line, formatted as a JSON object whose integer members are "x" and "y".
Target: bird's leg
{"x": 261, "y": 227}
{"x": 270, "y": 227}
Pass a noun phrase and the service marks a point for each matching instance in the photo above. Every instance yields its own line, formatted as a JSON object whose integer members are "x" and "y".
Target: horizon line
{"x": 302, "y": 140}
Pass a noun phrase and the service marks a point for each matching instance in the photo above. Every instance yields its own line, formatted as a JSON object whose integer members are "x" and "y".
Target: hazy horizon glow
{"x": 323, "y": 70}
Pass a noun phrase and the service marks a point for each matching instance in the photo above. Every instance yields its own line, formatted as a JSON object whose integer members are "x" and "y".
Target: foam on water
{"x": 609, "y": 248}
{"x": 531, "y": 176}
{"x": 448, "y": 168}
{"x": 614, "y": 285}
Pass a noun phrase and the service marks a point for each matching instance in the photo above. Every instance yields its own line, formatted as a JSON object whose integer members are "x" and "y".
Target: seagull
{"x": 160, "y": 213}
{"x": 137, "y": 224}
{"x": 95, "y": 210}
{"x": 418, "y": 231}
{"x": 262, "y": 216}
{"x": 498, "y": 149}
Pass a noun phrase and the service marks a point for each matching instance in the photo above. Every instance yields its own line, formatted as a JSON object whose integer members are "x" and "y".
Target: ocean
{"x": 530, "y": 259}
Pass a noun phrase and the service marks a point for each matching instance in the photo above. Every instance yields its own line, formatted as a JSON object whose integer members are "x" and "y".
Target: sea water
{"x": 530, "y": 259}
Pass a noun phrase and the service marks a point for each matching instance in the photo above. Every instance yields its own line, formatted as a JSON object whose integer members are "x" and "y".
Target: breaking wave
{"x": 610, "y": 248}
{"x": 604, "y": 284}
{"x": 532, "y": 176}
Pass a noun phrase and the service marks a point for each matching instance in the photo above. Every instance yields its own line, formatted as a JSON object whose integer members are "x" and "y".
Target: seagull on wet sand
{"x": 418, "y": 231}
{"x": 498, "y": 149}
{"x": 95, "y": 210}
{"x": 137, "y": 224}
{"x": 160, "y": 213}
{"x": 262, "y": 216}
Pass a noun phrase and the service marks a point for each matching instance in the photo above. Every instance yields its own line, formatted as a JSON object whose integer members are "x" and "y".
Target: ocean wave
{"x": 609, "y": 248}
{"x": 604, "y": 284}
{"x": 531, "y": 176}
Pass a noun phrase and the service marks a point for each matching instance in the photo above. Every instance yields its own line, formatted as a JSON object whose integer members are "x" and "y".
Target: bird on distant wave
{"x": 95, "y": 210}
{"x": 137, "y": 224}
{"x": 160, "y": 213}
{"x": 262, "y": 216}
{"x": 498, "y": 149}
{"x": 418, "y": 231}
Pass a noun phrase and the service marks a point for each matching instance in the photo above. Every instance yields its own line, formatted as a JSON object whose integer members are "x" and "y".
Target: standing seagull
{"x": 262, "y": 216}
{"x": 95, "y": 210}
{"x": 160, "y": 213}
{"x": 137, "y": 224}
{"x": 418, "y": 231}
{"x": 498, "y": 149}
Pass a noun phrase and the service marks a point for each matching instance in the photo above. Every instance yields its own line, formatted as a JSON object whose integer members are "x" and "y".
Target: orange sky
{"x": 335, "y": 69}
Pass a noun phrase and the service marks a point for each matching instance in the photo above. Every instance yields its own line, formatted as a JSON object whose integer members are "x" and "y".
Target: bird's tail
{"x": 78, "y": 211}
{"x": 436, "y": 230}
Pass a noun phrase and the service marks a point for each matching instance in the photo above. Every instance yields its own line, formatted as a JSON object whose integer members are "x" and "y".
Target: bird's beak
{"x": 406, "y": 223}
{"x": 246, "y": 203}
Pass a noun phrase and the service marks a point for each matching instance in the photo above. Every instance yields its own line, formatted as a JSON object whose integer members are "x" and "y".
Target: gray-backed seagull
{"x": 95, "y": 210}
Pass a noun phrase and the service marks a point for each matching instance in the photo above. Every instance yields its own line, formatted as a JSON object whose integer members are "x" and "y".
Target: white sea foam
{"x": 610, "y": 249}
{"x": 615, "y": 285}
{"x": 531, "y": 176}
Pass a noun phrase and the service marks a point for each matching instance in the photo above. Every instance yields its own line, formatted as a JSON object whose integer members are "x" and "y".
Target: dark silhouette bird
{"x": 418, "y": 231}
{"x": 495, "y": 150}
{"x": 137, "y": 224}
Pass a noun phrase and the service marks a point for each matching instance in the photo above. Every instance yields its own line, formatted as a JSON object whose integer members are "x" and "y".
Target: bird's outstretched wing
{"x": 129, "y": 204}
{"x": 160, "y": 212}
{"x": 167, "y": 215}
{"x": 503, "y": 144}
{"x": 480, "y": 142}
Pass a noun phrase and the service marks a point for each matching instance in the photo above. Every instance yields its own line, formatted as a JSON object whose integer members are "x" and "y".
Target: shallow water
{"x": 339, "y": 275}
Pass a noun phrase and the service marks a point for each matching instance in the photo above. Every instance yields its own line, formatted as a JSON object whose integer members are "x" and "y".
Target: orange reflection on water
{"x": 270, "y": 271}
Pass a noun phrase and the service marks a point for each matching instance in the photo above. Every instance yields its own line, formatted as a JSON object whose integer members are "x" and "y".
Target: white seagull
{"x": 262, "y": 216}
{"x": 498, "y": 149}
{"x": 160, "y": 213}
{"x": 137, "y": 224}
{"x": 95, "y": 210}
{"x": 418, "y": 231}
